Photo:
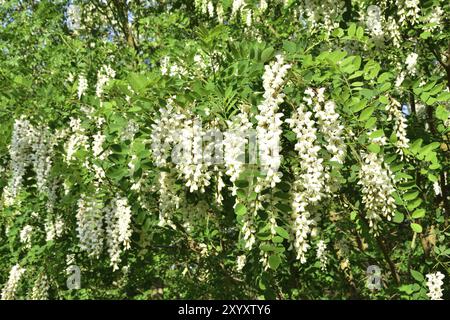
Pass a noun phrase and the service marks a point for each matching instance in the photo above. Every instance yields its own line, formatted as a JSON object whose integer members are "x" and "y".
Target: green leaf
{"x": 370, "y": 123}
{"x": 267, "y": 54}
{"x": 274, "y": 261}
{"x": 419, "y": 213}
{"x": 277, "y": 239}
{"x": 414, "y": 204}
{"x": 376, "y": 134}
{"x": 366, "y": 113}
{"x": 351, "y": 30}
{"x": 373, "y": 147}
{"x": 417, "y": 276}
{"x": 432, "y": 177}
{"x": 371, "y": 70}
{"x": 411, "y": 195}
{"x": 282, "y": 232}
{"x": 417, "y": 228}
{"x": 383, "y": 100}
{"x": 442, "y": 113}
{"x": 240, "y": 209}
{"x": 241, "y": 183}
{"x": 399, "y": 217}
{"x": 359, "y": 32}
{"x": 384, "y": 77}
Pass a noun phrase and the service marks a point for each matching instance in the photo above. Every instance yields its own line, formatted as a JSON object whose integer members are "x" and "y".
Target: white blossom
{"x": 321, "y": 254}
{"x": 54, "y": 228}
{"x": 90, "y": 225}
{"x": 411, "y": 62}
{"x": 235, "y": 142}
{"x": 240, "y": 263}
{"x": 82, "y": 85}
{"x": 103, "y": 76}
{"x": 77, "y": 140}
{"x": 40, "y": 288}
{"x": 118, "y": 229}
{"x": 377, "y": 190}
{"x": 400, "y": 125}
{"x": 25, "y": 235}
{"x": 169, "y": 201}
{"x": 10, "y": 288}
{"x": 434, "y": 284}
{"x": 309, "y": 185}
{"x": 30, "y": 145}
{"x": 268, "y": 130}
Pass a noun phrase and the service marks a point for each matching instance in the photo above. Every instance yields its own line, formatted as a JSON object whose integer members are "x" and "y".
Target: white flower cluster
{"x": 164, "y": 133}
{"x": 33, "y": 146}
{"x": 53, "y": 228}
{"x": 40, "y": 288}
{"x": 400, "y": 125}
{"x": 409, "y": 11}
{"x": 268, "y": 130}
{"x": 118, "y": 229}
{"x": 240, "y": 262}
{"x": 103, "y": 76}
{"x": 9, "y": 290}
{"x": 205, "y": 7}
{"x": 129, "y": 131}
{"x": 330, "y": 126}
{"x": 169, "y": 201}
{"x": 321, "y": 255}
{"x": 374, "y": 21}
{"x": 191, "y": 162}
{"x": 78, "y": 139}
{"x": 322, "y": 13}
{"x": 182, "y": 136}
{"x": 25, "y": 235}
{"x": 411, "y": 63}
{"x": 236, "y": 7}
{"x": 435, "y": 19}
{"x": 434, "y": 284}
{"x": 248, "y": 222}
{"x": 377, "y": 190}
{"x": 73, "y": 19}
{"x": 172, "y": 69}
{"x": 97, "y": 145}
{"x": 309, "y": 185}
{"x": 235, "y": 142}
{"x": 90, "y": 225}
{"x": 393, "y": 30}
{"x": 82, "y": 85}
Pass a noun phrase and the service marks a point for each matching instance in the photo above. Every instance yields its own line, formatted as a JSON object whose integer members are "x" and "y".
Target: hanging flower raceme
{"x": 78, "y": 139}
{"x": 10, "y": 288}
{"x": 30, "y": 145}
{"x": 377, "y": 190}
{"x": 321, "y": 255}
{"x": 118, "y": 229}
{"x": 90, "y": 225}
{"x": 103, "y": 76}
{"x": 54, "y": 228}
{"x": 309, "y": 184}
{"x": 235, "y": 143}
{"x": 190, "y": 160}
{"x": 82, "y": 85}
{"x": 40, "y": 288}
{"x": 328, "y": 123}
{"x": 25, "y": 236}
{"x": 268, "y": 130}
{"x": 434, "y": 284}
{"x": 400, "y": 125}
